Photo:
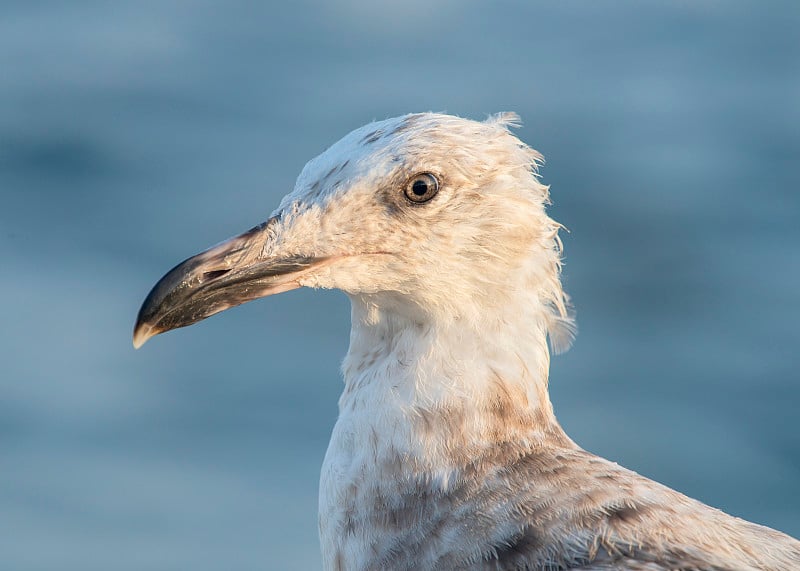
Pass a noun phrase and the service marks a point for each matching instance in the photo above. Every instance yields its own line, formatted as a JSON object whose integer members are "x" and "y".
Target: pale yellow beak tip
{"x": 142, "y": 333}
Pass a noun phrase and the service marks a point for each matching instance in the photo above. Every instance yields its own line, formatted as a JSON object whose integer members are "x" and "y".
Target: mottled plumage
{"x": 446, "y": 453}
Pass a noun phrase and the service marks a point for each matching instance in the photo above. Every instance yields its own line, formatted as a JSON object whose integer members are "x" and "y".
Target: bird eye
{"x": 421, "y": 187}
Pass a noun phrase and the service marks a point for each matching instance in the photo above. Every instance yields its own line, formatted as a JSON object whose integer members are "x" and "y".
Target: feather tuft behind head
{"x": 507, "y": 119}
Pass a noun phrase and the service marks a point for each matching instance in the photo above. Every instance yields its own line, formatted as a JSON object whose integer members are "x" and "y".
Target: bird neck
{"x": 428, "y": 405}
{"x": 442, "y": 386}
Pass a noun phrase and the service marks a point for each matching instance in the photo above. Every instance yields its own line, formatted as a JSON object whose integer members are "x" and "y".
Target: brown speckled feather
{"x": 560, "y": 508}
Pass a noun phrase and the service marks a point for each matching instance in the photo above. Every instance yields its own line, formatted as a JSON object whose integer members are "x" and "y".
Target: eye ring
{"x": 421, "y": 187}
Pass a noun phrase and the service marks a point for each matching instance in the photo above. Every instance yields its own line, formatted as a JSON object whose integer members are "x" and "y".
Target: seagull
{"x": 446, "y": 453}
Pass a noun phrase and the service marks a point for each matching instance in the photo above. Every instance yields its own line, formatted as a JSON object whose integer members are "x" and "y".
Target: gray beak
{"x": 227, "y": 275}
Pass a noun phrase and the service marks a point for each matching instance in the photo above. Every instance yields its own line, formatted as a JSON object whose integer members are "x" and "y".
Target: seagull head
{"x": 428, "y": 215}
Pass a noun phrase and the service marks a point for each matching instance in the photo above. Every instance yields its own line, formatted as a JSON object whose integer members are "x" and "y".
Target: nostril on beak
{"x": 212, "y": 275}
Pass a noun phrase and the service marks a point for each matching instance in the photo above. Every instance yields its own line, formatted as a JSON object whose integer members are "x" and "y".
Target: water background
{"x": 135, "y": 134}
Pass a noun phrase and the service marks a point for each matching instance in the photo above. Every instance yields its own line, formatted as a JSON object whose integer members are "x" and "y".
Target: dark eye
{"x": 421, "y": 187}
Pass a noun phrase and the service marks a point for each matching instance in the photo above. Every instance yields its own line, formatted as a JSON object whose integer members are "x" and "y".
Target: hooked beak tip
{"x": 141, "y": 333}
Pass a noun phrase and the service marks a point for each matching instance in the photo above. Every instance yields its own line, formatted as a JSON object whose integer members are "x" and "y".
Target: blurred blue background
{"x": 133, "y": 135}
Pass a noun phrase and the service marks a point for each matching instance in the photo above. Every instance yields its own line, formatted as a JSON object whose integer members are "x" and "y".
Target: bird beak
{"x": 229, "y": 274}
